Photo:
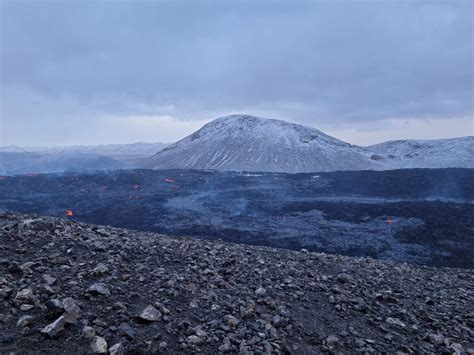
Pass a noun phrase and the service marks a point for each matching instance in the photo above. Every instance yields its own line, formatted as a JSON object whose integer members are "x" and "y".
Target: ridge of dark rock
{"x": 69, "y": 287}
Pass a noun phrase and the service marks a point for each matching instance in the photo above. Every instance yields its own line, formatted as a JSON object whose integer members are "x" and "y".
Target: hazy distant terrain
{"x": 33, "y": 160}
{"x": 35, "y": 163}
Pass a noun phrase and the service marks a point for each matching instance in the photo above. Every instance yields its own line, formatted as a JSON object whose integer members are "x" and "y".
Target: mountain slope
{"x": 241, "y": 142}
{"x": 436, "y": 153}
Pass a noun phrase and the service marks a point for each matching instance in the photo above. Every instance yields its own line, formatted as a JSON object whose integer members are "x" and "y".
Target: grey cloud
{"x": 313, "y": 61}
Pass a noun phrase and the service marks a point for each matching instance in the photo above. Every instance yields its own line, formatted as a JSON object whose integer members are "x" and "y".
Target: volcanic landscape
{"x": 418, "y": 216}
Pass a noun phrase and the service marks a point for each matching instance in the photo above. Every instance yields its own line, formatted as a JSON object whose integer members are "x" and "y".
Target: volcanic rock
{"x": 54, "y": 308}
{"x": 260, "y": 291}
{"x": 54, "y": 329}
{"x": 117, "y": 349}
{"x": 98, "y": 289}
{"x": 274, "y": 300}
{"x": 150, "y": 314}
{"x": 99, "y": 345}
{"x": 88, "y": 332}
{"x": 25, "y": 296}
{"x": 127, "y": 330}
{"x": 100, "y": 269}
{"x": 25, "y": 321}
{"x": 49, "y": 279}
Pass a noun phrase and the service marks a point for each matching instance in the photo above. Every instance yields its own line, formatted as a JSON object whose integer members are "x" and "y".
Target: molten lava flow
{"x": 170, "y": 180}
{"x": 69, "y": 213}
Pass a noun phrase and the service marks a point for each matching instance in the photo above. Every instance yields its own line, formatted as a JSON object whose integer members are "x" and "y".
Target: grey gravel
{"x": 175, "y": 295}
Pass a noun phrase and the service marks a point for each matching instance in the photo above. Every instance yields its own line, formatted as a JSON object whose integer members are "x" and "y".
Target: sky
{"x": 99, "y": 72}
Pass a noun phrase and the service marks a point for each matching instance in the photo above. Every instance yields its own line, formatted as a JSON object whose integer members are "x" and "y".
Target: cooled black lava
{"x": 420, "y": 216}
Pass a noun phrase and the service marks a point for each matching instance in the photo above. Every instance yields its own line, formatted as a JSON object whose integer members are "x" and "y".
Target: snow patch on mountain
{"x": 248, "y": 143}
{"x": 242, "y": 142}
{"x": 437, "y": 153}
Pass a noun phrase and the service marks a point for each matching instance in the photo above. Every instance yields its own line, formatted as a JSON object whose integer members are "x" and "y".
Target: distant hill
{"x": 242, "y": 142}
{"x": 435, "y": 153}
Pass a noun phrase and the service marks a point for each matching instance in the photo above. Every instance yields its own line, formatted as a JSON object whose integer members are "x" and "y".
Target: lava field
{"x": 420, "y": 216}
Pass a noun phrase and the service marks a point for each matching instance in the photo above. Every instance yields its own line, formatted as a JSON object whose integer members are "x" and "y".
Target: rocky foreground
{"x": 68, "y": 287}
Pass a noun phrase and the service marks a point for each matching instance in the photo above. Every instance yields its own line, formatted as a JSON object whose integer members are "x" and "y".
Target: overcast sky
{"x": 90, "y": 72}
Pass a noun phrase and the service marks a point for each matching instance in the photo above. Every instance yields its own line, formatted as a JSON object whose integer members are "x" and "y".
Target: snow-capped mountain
{"x": 241, "y": 142}
{"x": 437, "y": 153}
{"x": 244, "y": 143}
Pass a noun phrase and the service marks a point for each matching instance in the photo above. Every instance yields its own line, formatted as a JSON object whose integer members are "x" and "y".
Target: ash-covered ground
{"x": 423, "y": 216}
{"x": 74, "y": 288}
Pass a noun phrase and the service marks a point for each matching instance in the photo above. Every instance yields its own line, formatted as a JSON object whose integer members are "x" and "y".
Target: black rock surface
{"x": 419, "y": 216}
{"x": 69, "y": 287}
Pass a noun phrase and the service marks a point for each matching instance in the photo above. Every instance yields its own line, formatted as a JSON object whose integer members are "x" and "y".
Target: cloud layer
{"x": 69, "y": 68}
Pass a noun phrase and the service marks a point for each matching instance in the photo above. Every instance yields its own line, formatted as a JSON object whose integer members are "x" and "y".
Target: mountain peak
{"x": 245, "y": 142}
{"x": 242, "y": 119}
{"x": 262, "y": 128}
{"x": 239, "y": 117}
{"x": 255, "y": 120}
{"x": 249, "y": 143}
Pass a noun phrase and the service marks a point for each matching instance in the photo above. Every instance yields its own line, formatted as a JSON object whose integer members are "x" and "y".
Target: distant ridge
{"x": 432, "y": 153}
{"x": 80, "y": 158}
